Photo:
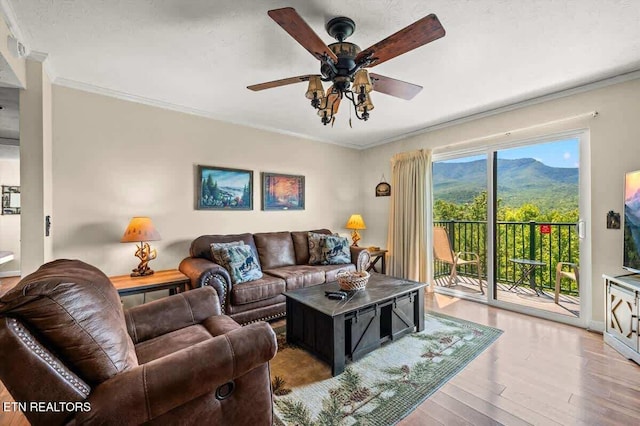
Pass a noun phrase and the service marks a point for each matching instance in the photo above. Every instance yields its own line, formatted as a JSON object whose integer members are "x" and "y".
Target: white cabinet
{"x": 623, "y": 303}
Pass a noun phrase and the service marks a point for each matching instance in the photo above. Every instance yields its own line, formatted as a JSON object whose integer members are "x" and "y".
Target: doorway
{"x": 537, "y": 246}
{"x": 10, "y": 187}
{"x": 518, "y": 207}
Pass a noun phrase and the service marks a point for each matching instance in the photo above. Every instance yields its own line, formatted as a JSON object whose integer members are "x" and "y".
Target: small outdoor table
{"x": 527, "y": 267}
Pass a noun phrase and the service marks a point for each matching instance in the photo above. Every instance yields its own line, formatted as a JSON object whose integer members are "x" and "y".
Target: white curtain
{"x": 410, "y": 215}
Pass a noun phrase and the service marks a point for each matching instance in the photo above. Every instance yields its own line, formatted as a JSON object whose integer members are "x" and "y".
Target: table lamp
{"x": 355, "y": 222}
{"x": 141, "y": 230}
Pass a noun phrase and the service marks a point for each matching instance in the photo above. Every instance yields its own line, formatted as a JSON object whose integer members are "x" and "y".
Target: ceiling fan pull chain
{"x": 350, "y": 126}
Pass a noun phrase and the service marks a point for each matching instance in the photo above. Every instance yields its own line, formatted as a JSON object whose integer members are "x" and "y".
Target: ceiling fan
{"x": 345, "y": 65}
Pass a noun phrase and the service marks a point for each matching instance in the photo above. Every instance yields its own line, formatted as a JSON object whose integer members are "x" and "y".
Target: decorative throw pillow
{"x": 335, "y": 250}
{"x": 315, "y": 248}
{"x": 216, "y": 247}
{"x": 239, "y": 261}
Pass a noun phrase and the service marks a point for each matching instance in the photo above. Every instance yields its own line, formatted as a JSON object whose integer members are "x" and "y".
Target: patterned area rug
{"x": 381, "y": 388}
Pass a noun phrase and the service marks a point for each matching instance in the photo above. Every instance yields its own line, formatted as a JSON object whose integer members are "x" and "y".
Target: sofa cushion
{"x": 201, "y": 246}
{"x": 301, "y": 244}
{"x": 239, "y": 261}
{"x": 275, "y": 249}
{"x": 335, "y": 250}
{"x": 298, "y": 276}
{"x": 75, "y": 308}
{"x": 266, "y": 287}
{"x": 331, "y": 271}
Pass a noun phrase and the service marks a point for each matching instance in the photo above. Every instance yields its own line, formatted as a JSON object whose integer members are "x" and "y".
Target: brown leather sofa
{"x": 283, "y": 257}
{"x": 65, "y": 340}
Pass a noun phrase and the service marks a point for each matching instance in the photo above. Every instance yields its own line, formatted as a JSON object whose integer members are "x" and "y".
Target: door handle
{"x": 581, "y": 229}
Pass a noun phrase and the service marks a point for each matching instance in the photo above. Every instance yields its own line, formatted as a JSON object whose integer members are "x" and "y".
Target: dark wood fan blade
{"x": 415, "y": 35}
{"x": 278, "y": 83}
{"x": 391, "y": 86}
{"x": 297, "y": 28}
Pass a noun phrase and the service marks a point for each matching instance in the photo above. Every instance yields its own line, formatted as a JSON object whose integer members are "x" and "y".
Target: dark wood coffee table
{"x": 387, "y": 309}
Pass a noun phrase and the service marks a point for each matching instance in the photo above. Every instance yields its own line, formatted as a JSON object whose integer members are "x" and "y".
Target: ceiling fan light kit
{"x": 344, "y": 64}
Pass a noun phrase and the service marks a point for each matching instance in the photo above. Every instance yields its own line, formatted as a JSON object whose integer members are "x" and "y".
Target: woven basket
{"x": 352, "y": 280}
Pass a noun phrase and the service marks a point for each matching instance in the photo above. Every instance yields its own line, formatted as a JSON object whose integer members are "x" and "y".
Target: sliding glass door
{"x": 516, "y": 209}
{"x": 460, "y": 225}
{"x": 537, "y": 247}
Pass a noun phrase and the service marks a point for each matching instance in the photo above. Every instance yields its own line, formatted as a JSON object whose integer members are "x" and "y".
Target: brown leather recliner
{"x": 71, "y": 354}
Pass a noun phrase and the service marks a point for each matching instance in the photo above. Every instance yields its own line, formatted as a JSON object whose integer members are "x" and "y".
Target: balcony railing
{"x": 546, "y": 242}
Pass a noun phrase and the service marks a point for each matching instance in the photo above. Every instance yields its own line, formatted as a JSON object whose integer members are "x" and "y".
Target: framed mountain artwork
{"x": 282, "y": 192}
{"x": 220, "y": 188}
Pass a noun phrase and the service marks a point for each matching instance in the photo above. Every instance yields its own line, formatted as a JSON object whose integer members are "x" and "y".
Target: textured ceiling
{"x": 201, "y": 55}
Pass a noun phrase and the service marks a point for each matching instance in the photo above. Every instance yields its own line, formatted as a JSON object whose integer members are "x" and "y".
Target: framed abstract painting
{"x": 220, "y": 188}
{"x": 282, "y": 192}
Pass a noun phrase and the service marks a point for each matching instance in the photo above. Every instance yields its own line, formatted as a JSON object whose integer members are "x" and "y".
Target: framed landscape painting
{"x": 282, "y": 192}
{"x": 220, "y": 188}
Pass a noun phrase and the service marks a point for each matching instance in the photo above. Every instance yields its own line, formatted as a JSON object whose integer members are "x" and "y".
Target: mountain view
{"x": 520, "y": 181}
{"x": 632, "y": 231}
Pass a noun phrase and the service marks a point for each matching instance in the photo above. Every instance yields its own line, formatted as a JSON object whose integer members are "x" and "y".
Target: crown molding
{"x": 454, "y": 121}
{"x": 43, "y": 58}
{"x": 78, "y": 85}
{"x": 604, "y": 82}
{"x": 34, "y": 55}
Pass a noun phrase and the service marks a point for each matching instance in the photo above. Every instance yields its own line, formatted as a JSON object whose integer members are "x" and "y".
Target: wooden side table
{"x": 378, "y": 255}
{"x": 170, "y": 279}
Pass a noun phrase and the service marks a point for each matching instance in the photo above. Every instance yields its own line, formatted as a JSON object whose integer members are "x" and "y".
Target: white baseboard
{"x": 596, "y": 326}
{"x": 5, "y": 274}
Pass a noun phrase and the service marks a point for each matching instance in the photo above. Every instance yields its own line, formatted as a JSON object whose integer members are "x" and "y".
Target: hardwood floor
{"x": 7, "y": 283}
{"x": 537, "y": 372}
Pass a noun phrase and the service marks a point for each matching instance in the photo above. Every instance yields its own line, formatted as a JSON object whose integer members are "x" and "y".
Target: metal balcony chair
{"x": 572, "y": 274}
{"x": 442, "y": 251}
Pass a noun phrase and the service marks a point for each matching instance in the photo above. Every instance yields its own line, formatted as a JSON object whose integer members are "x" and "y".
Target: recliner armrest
{"x": 203, "y": 272}
{"x": 171, "y": 313}
{"x": 147, "y": 391}
{"x": 360, "y": 257}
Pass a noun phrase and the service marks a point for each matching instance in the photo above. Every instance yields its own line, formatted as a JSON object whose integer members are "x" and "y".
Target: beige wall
{"x": 614, "y": 149}
{"x": 35, "y": 167}
{"x": 10, "y": 223}
{"x": 114, "y": 159}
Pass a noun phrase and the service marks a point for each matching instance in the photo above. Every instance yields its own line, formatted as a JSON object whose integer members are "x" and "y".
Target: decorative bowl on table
{"x": 352, "y": 280}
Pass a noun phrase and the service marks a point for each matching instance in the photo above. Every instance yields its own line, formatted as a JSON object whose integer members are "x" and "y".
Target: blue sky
{"x": 561, "y": 153}
{"x": 227, "y": 178}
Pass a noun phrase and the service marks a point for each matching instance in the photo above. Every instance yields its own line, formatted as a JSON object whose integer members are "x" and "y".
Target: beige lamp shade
{"x": 331, "y": 101}
{"x": 315, "y": 87}
{"x": 140, "y": 229}
{"x": 366, "y": 104}
{"x": 355, "y": 222}
{"x": 360, "y": 79}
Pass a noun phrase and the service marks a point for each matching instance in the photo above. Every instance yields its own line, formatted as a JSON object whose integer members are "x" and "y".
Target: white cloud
{"x": 566, "y": 155}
